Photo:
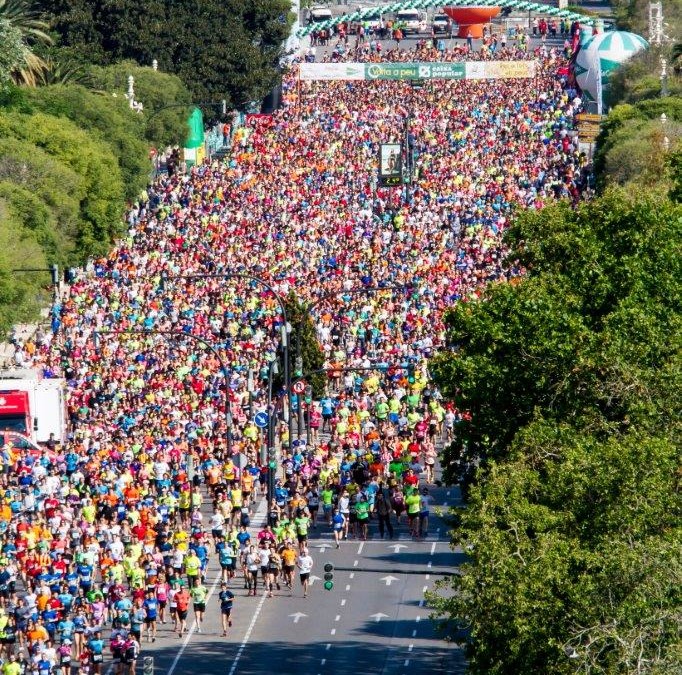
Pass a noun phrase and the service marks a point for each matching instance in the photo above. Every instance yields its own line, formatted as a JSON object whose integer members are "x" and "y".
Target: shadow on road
{"x": 369, "y": 657}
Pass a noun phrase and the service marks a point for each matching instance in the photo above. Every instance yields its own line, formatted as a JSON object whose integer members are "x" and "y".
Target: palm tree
{"x": 22, "y": 15}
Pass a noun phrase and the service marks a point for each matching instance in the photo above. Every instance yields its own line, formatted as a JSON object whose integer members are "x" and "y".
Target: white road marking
{"x": 351, "y": 575}
{"x": 348, "y": 587}
{"x": 433, "y": 548}
{"x": 426, "y": 588}
{"x": 343, "y": 602}
{"x": 329, "y": 646}
{"x": 389, "y": 579}
{"x": 429, "y": 564}
{"x": 414, "y": 632}
{"x": 254, "y": 618}
{"x": 418, "y": 619}
{"x": 333, "y": 632}
{"x": 355, "y": 563}
{"x": 396, "y": 547}
{"x": 360, "y": 548}
{"x": 185, "y": 642}
{"x": 447, "y": 494}
{"x": 323, "y": 662}
{"x": 421, "y": 602}
{"x": 407, "y": 662}
{"x": 337, "y": 617}
{"x": 410, "y": 648}
{"x": 427, "y": 577}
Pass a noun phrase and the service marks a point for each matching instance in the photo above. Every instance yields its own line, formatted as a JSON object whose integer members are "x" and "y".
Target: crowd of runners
{"x": 109, "y": 536}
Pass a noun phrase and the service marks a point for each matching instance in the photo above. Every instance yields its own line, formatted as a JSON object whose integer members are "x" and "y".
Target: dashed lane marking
{"x": 254, "y": 618}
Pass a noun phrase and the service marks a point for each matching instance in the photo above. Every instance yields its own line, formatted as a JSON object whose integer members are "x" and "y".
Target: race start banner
{"x": 443, "y": 70}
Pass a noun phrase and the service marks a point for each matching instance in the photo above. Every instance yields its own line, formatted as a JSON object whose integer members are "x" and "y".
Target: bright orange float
{"x": 471, "y": 19}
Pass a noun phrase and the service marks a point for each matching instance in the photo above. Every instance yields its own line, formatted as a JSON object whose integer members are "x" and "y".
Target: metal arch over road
{"x": 425, "y": 4}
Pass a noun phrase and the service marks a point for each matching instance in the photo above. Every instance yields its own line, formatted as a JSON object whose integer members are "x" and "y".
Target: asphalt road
{"x": 374, "y": 621}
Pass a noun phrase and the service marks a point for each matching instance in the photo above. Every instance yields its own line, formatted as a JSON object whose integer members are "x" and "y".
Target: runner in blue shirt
{"x": 226, "y": 598}
{"x": 151, "y": 608}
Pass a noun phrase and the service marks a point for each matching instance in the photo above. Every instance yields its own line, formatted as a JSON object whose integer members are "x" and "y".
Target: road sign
{"x": 299, "y": 387}
{"x": 261, "y": 419}
{"x": 588, "y": 117}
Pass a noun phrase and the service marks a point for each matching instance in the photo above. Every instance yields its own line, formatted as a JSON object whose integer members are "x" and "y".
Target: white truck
{"x": 411, "y": 21}
{"x": 33, "y": 406}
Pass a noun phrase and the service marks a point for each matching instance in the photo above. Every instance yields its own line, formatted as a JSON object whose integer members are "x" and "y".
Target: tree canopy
{"x": 220, "y": 49}
{"x": 573, "y": 379}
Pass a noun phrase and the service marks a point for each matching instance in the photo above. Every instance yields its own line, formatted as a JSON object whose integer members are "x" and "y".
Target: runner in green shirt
{"x": 327, "y": 497}
{"x": 412, "y": 504}
{"x": 362, "y": 513}
{"x": 198, "y": 592}
{"x": 302, "y": 523}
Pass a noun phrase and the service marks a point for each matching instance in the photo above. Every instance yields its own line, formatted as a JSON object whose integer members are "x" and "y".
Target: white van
{"x": 411, "y": 21}
{"x": 372, "y": 19}
{"x": 319, "y": 15}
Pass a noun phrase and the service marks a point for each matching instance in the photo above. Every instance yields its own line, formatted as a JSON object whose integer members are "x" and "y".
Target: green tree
{"x": 166, "y": 100}
{"x": 107, "y": 118}
{"x": 573, "y": 379}
{"x": 91, "y": 159}
{"x": 572, "y": 550}
{"x": 21, "y": 295}
{"x": 27, "y": 20}
{"x": 304, "y": 333}
{"x": 13, "y": 53}
{"x": 587, "y": 335}
{"x": 27, "y": 170}
{"x": 220, "y": 49}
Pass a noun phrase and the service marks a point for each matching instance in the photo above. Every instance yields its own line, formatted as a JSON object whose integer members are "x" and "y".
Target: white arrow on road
{"x": 396, "y": 547}
{"x": 323, "y": 547}
{"x": 298, "y": 616}
{"x": 378, "y": 616}
{"x": 313, "y": 579}
{"x": 389, "y": 579}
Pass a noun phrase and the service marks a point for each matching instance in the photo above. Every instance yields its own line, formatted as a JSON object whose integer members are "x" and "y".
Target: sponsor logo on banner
{"x": 470, "y": 70}
{"x": 392, "y": 71}
{"x": 503, "y": 70}
{"x": 332, "y": 71}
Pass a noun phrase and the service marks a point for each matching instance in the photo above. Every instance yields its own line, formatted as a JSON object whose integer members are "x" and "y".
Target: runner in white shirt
{"x": 305, "y": 566}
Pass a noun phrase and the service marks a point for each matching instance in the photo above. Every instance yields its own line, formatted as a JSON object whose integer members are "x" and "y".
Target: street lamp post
{"x": 172, "y": 335}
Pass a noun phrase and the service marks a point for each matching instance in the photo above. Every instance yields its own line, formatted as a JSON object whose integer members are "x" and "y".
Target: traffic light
{"x": 410, "y": 373}
{"x": 148, "y": 665}
{"x": 298, "y": 367}
{"x": 328, "y": 576}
